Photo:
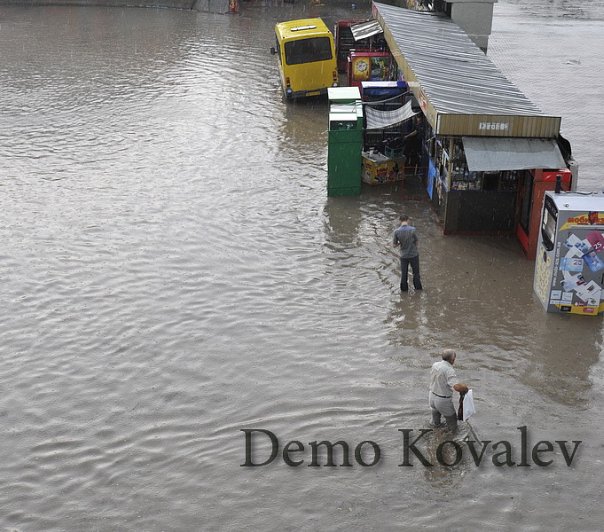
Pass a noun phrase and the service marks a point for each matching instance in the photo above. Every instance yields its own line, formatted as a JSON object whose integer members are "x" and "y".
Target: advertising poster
{"x": 578, "y": 275}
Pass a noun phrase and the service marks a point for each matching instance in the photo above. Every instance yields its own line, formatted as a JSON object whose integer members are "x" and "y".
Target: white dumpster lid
{"x": 342, "y": 117}
{"x": 343, "y": 93}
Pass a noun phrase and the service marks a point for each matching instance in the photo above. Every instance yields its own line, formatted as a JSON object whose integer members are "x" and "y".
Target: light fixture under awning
{"x": 490, "y": 154}
{"x": 365, "y": 29}
{"x": 377, "y": 119}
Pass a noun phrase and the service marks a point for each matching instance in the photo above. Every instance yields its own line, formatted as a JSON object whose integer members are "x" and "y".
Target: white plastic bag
{"x": 468, "y": 405}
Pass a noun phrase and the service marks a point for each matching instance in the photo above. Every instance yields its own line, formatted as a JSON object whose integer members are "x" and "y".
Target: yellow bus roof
{"x": 301, "y": 28}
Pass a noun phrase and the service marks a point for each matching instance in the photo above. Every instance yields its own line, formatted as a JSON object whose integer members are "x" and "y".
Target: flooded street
{"x": 173, "y": 272}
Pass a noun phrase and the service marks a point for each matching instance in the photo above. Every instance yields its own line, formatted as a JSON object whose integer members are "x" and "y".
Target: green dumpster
{"x": 345, "y": 142}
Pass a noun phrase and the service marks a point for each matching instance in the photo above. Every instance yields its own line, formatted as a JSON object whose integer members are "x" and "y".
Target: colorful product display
{"x": 370, "y": 66}
{"x": 378, "y": 169}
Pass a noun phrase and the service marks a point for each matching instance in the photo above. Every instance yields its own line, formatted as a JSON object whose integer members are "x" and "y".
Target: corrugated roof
{"x": 455, "y": 76}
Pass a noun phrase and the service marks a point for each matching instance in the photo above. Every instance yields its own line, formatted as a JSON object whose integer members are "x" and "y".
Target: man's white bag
{"x": 468, "y": 405}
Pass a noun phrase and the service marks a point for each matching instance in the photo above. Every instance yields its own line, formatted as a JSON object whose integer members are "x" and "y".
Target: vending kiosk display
{"x": 569, "y": 266}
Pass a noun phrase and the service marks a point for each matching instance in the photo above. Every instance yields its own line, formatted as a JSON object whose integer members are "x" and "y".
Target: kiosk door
{"x": 530, "y": 200}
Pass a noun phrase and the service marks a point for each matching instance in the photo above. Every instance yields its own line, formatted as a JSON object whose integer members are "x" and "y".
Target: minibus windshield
{"x": 307, "y": 50}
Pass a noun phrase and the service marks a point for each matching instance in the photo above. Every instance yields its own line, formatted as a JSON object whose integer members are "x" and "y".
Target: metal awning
{"x": 377, "y": 119}
{"x": 491, "y": 154}
{"x": 365, "y": 29}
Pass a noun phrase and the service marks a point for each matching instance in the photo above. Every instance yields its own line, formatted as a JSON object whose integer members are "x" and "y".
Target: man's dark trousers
{"x": 414, "y": 262}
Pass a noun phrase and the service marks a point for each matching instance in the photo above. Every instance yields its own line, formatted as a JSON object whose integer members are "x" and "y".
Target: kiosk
{"x": 368, "y": 65}
{"x": 488, "y": 153}
{"x": 530, "y": 199}
{"x": 569, "y": 267}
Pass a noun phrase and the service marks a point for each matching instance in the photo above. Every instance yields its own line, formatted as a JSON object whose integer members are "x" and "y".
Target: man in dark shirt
{"x": 406, "y": 237}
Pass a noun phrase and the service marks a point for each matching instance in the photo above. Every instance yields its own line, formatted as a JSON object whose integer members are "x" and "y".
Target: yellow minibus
{"x": 307, "y": 58}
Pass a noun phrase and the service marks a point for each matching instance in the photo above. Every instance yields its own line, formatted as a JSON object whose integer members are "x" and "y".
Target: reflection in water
{"x": 342, "y": 222}
{"x": 563, "y": 353}
{"x": 304, "y": 128}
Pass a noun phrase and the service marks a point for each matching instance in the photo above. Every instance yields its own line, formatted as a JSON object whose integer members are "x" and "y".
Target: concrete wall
{"x": 172, "y": 4}
{"x": 209, "y": 6}
{"x": 212, "y": 6}
{"x": 475, "y": 18}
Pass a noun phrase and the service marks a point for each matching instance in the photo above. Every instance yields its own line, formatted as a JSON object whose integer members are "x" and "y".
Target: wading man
{"x": 443, "y": 381}
{"x": 406, "y": 237}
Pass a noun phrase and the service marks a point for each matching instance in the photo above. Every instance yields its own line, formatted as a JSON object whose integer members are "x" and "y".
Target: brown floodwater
{"x": 173, "y": 272}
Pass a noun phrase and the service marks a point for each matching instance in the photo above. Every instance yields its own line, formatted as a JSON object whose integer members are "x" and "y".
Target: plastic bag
{"x": 468, "y": 405}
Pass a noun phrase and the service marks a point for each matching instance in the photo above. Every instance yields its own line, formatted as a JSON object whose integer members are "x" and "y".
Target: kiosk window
{"x": 490, "y": 181}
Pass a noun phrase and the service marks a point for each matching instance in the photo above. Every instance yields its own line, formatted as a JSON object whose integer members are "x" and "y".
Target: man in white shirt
{"x": 443, "y": 381}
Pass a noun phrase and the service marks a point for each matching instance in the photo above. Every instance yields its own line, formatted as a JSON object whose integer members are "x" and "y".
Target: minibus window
{"x": 307, "y": 50}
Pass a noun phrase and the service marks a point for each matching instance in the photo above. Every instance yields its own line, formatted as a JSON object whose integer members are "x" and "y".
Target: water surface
{"x": 173, "y": 271}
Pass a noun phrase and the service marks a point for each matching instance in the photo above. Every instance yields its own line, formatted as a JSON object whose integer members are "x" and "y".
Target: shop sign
{"x": 493, "y": 126}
